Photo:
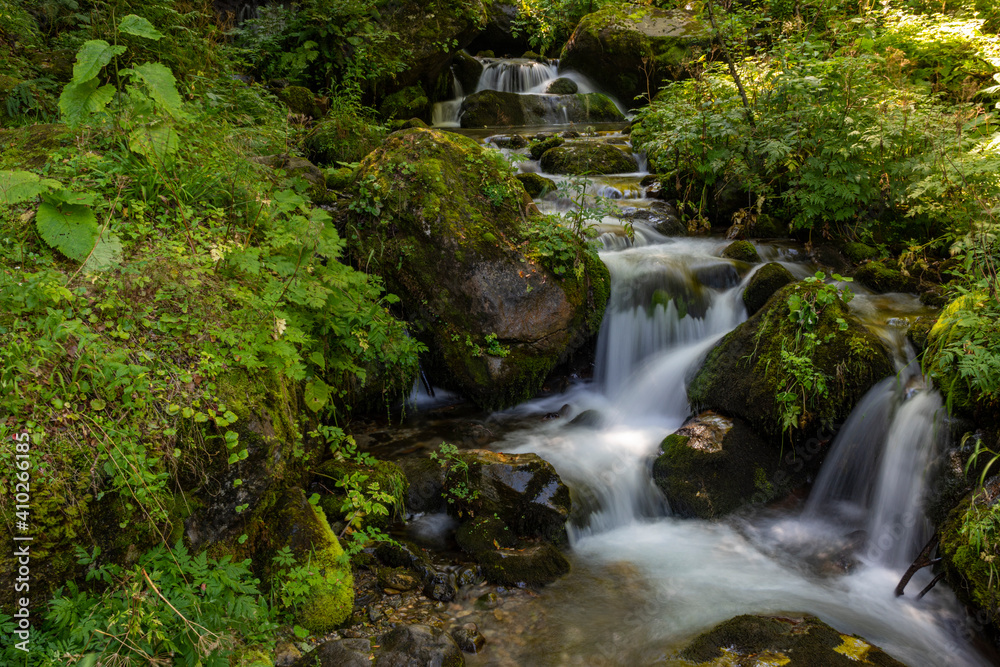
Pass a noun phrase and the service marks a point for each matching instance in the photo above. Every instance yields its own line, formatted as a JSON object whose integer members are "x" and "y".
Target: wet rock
{"x": 859, "y": 252}
{"x": 534, "y": 565}
{"x": 589, "y": 418}
{"x": 452, "y": 242}
{"x": 521, "y": 489}
{"x": 300, "y": 101}
{"x": 935, "y": 298}
{"x": 436, "y": 584}
{"x": 718, "y": 276}
{"x": 609, "y": 46}
{"x": 468, "y": 638}
{"x": 562, "y": 86}
{"x": 767, "y": 280}
{"x": 535, "y": 185}
{"x": 538, "y": 147}
{"x": 802, "y": 641}
{"x": 418, "y": 646}
{"x": 485, "y": 533}
{"x": 426, "y": 484}
{"x": 338, "y": 653}
{"x": 514, "y": 141}
{"x": 468, "y": 576}
{"x": 467, "y": 70}
{"x": 919, "y": 330}
{"x": 285, "y": 654}
{"x": 395, "y": 580}
{"x": 743, "y": 375}
{"x": 488, "y": 601}
{"x": 881, "y": 278}
{"x": 492, "y": 108}
{"x": 714, "y": 465}
{"x": 580, "y": 159}
{"x": 743, "y": 251}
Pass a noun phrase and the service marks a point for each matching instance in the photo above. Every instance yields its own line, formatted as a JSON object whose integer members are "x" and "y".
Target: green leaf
{"x": 107, "y": 254}
{"x": 69, "y": 228}
{"x": 80, "y": 100}
{"x": 300, "y": 632}
{"x": 19, "y": 186}
{"x": 98, "y": 404}
{"x": 91, "y": 58}
{"x": 317, "y": 358}
{"x": 161, "y": 85}
{"x": 140, "y": 27}
{"x": 317, "y": 395}
{"x": 154, "y": 142}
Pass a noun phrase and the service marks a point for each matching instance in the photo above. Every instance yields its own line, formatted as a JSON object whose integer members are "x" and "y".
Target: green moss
{"x": 537, "y": 148}
{"x": 582, "y": 159}
{"x": 972, "y": 577}
{"x": 330, "y": 604}
{"x": 535, "y": 185}
{"x": 744, "y": 373}
{"x": 484, "y": 534}
{"x": 881, "y": 278}
{"x": 743, "y": 251}
{"x": 563, "y": 86}
{"x": 767, "y": 280}
{"x": 410, "y": 102}
{"x": 388, "y": 476}
{"x": 340, "y": 178}
{"x": 30, "y": 147}
{"x": 766, "y": 227}
{"x": 300, "y": 101}
{"x": 957, "y": 389}
{"x": 859, "y": 252}
{"x": 251, "y": 657}
{"x": 492, "y": 108}
{"x": 342, "y": 137}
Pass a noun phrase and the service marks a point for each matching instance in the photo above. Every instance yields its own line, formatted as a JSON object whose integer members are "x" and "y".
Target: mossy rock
{"x": 713, "y": 466}
{"x": 767, "y": 280}
{"x": 522, "y": 490}
{"x": 330, "y": 603}
{"x": 563, "y": 86}
{"x": 805, "y": 641}
{"x": 485, "y": 533}
{"x": 467, "y": 70}
{"x": 972, "y": 578}
{"x": 535, "y": 185}
{"x": 251, "y": 657}
{"x": 297, "y": 167}
{"x": 407, "y": 645}
{"x": 538, "y": 147}
{"x": 961, "y": 396}
{"x": 919, "y": 331}
{"x": 496, "y": 314}
{"x": 534, "y": 566}
{"x": 743, "y": 251}
{"x": 397, "y": 125}
{"x": 342, "y": 137}
{"x": 743, "y": 375}
{"x": 531, "y": 55}
{"x": 766, "y": 227}
{"x": 859, "y": 252}
{"x": 610, "y": 45}
{"x": 300, "y": 100}
{"x": 587, "y": 158}
{"x": 30, "y": 147}
{"x": 880, "y": 278}
{"x": 493, "y": 108}
{"x": 339, "y": 178}
{"x": 410, "y": 102}
{"x": 388, "y": 476}
{"x": 425, "y": 478}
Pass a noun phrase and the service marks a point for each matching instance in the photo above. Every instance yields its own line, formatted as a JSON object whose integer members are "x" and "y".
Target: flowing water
{"x": 644, "y": 582}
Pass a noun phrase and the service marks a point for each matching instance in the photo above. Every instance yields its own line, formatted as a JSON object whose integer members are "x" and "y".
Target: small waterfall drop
{"x": 446, "y": 114}
{"x": 516, "y": 75}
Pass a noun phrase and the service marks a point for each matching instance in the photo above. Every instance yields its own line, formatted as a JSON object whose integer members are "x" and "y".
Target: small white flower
{"x": 279, "y": 328}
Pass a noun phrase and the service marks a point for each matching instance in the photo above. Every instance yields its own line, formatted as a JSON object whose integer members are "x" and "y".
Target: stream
{"x": 643, "y": 582}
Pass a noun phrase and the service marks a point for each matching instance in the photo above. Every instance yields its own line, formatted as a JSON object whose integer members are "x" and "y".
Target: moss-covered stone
{"x": 610, "y": 45}
{"x": 767, "y": 280}
{"x": 793, "y": 642}
{"x": 300, "y": 100}
{"x": 538, "y": 147}
{"x": 493, "y": 108}
{"x": 531, "y": 55}
{"x": 562, "y": 86}
{"x": 972, "y": 577}
{"x": 486, "y": 533}
{"x": 30, "y": 147}
{"x": 859, "y": 252}
{"x": 714, "y": 465}
{"x": 410, "y": 102}
{"x": 881, "y": 278}
{"x": 743, "y": 251}
{"x": 339, "y": 178}
{"x": 329, "y": 478}
{"x": 766, "y": 227}
{"x": 535, "y": 185}
{"x": 329, "y": 604}
{"x": 919, "y": 331}
{"x": 530, "y": 566}
{"x": 342, "y": 137}
{"x": 523, "y": 490}
{"x": 587, "y": 158}
{"x": 467, "y": 70}
{"x": 743, "y": 375}
{"x": 496, "y": 316}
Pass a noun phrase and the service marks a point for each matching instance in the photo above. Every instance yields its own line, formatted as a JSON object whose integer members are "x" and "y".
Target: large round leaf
{"x": 69, "y": 228}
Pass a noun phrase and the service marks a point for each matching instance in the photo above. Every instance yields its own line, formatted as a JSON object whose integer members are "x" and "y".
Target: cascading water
{"x": 446, "y": 114}
{"x": 516, "y": 76}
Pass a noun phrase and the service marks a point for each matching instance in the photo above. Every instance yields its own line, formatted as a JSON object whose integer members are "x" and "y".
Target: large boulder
{"x": 786, "y": 640}
{"x": 417, "y": 646}
{"x": 629, "y": 51}
{"x": 429, "y": 32}
{"x": 587, "y": 158}
{"x": 522, "y": 490}
{"x": 746, "y": 372}
{"x": 453, "y": 233}
{"x": 492, "y": 108}
{"x": 767, "y": 280}
{"x": 714, "y": 465}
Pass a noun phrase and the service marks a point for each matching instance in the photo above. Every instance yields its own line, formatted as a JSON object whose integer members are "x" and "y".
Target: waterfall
{"x": 446, "y": 114}
{"x": 516, "y": 76}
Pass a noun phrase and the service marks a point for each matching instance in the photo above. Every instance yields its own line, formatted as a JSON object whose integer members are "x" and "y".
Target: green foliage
{"x": 548, "y": 23}
{"x": 169, "y": 605}
{"x": 455, "y": 491}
